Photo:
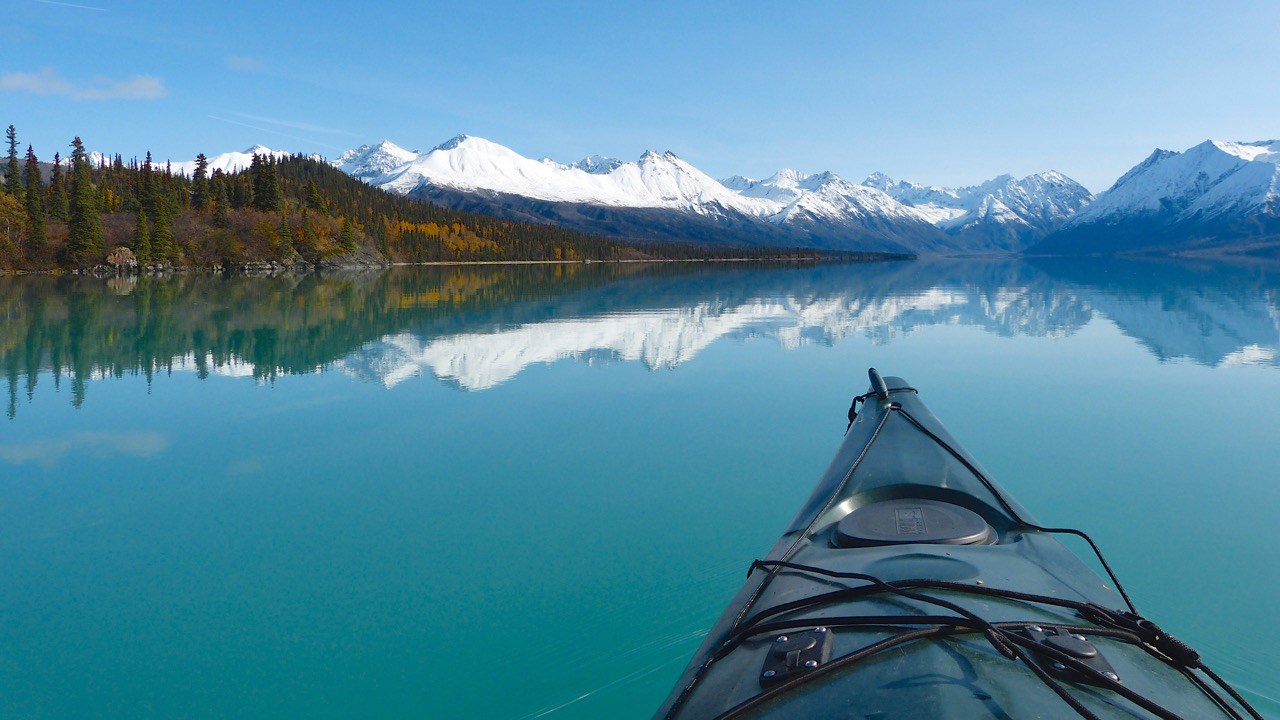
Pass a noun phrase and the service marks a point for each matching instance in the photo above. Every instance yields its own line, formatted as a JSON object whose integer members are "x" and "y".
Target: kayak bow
{"x": 911, "y": 586}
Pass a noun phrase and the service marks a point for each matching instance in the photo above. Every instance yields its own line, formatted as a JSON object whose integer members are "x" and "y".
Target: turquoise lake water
{"x": 528, "y": 492}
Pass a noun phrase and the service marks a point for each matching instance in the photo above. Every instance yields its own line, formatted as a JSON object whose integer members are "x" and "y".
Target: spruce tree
{"x": 266, "y": 184}
{"x": 12, "y": 181}
{"x": 147, "y": 186}
{"x": 36, "y": 235}
{"x": 314, "y": 201}
{"x": 58, "y": 191}
{"x": 200, "y": 183}
{"x": 284, "y": 236}
{"x": 162, "y": 245}
{"x": 221, "y": 217}
{"x": 85, "y": 226}
{"x": 142, "y": 240}
{"x": 348, "y": 237}
{"x": 255, "y": 172}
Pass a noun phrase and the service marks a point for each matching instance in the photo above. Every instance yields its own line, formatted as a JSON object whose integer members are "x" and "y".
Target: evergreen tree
{"x": 314, "y": 201}
{"x": 162, "y": 245}
{"x": 142, "y": 240}
{"x": 240, "y": 191}
{"x": 348, "y": 237}
{"x": 200, "y": 183}
{"x": 147, "y": 186}
{"x": 284, "y": 237}
{"x": 221, "y": 217}
{"x": 266, "y": 183}
{"x": 58, "y": 191}
{"x": 12, "y": 181}
{"x": 36, "y": 235}
{"x": 85, "y": 225}
{"x": 310, "y": 247}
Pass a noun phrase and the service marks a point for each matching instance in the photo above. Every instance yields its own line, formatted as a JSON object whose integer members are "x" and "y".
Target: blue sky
{"x": 948, "y": 93}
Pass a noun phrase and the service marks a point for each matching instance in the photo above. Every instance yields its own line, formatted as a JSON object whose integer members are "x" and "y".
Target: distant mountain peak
{"x": 879, "y": 181}
{"x": 1208, "y": 197}
{"x": 786, "y": 177}
{"x": 453, "y": 142}
{"x": 598, "y": 164}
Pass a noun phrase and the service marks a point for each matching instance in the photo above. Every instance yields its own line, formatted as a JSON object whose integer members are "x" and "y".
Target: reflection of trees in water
{"x": 78, "y": 328}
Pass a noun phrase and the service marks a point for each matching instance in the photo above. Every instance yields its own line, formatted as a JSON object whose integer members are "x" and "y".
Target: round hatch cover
{"x": 897, "y": 522}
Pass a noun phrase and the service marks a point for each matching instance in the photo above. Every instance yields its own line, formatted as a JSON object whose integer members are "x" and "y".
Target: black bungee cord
{"x": 1122, "y": 626}
{"x": 1130, "y": 627}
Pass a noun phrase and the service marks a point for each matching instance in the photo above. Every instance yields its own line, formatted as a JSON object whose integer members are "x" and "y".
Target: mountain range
{"x": 1217, "y": 197}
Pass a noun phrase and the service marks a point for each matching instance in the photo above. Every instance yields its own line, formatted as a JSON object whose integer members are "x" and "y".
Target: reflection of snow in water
{"x": 667, "y": 338}
{"x": 659, "y": 339}
{"x": 1250, "y": 355}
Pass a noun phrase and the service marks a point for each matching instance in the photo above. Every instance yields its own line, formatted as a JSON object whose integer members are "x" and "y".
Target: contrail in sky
{"x": 71, "y": 5}
{"x": 274, "y": 132}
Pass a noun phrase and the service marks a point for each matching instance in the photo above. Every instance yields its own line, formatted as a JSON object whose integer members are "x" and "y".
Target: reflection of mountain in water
{"x": 665, "y": 338}
{"x": 477, "y": 327}
{"x": 1212, "y": 324}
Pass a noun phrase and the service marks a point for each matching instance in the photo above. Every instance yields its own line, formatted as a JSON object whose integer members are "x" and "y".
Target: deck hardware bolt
{"x": 821, "y": 629}
{"x": 780, "y": 638}
{"x": 769, "y": 673}
{"x": 811, "y": 663}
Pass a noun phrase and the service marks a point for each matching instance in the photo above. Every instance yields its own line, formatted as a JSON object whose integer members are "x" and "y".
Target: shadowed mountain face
{"x": 476, "y": 327}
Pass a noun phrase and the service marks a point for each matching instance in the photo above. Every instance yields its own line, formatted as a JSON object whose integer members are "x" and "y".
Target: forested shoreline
{"x": 109, "y": 215}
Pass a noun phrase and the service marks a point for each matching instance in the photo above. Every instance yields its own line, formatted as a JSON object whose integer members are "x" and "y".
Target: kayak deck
{"x": 903, "y": 589}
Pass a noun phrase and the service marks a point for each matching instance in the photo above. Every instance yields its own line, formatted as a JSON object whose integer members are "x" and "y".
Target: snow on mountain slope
{"x": 821, "y": 209}
{"x": 229, "y": 162}
{"x": 367, "y": 163}
{"x": 597, "y": 164}
{"x": 657, "y": 180}
{"x": 95, "y": 158}
{"x": 827, "y": 196}
{"x": 1033, "y": 204}
{"x": 1212, "y": 179}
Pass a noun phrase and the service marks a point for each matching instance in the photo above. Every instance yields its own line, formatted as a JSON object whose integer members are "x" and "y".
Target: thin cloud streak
{"x": 306, "y": 127}
{"x": 243, "y": 63}
{"x": 273, "y": 132}
{"x": 72, "y": 5}
{"x": 47, "y": 81}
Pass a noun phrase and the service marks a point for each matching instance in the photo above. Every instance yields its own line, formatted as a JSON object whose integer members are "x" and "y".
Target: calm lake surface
{"x": 528, "y": 492}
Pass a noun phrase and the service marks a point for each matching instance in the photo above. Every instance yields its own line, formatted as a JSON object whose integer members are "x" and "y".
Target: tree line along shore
{"x": 113, "y": 215}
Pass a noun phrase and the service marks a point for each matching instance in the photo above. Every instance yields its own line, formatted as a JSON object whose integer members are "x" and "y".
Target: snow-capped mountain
{"x": 661, "y": 197}
{"x": 371, "y": 162}
{"x": 657, "y": 180}
{"x": 229, "y": 162}
{"x": 95, "y": 158}
{"x": 1210, "y": 196}
{"x": 1214, "y": 195}
{"x": 1005, "y": 211}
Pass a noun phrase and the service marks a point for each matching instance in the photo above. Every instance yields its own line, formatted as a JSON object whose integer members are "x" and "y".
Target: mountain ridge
{"x": 1214, "y": 197}
{"x": 1217, "y": 195}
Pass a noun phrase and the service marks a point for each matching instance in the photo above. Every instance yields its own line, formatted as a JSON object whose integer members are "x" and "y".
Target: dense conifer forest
{"x": 76, "y": 213}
